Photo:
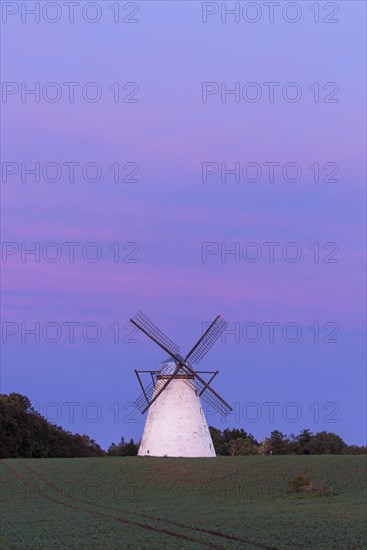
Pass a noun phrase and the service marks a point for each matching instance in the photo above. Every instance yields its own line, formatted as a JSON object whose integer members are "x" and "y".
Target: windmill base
{"x": 176, "y": 425}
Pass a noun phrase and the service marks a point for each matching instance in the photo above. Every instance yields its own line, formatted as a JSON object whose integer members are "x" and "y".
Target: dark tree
{"x": 26, "y": 434}
{"x": 217, "y": 439}
{"x": 300, "y": 444}
{"x": 233, "y": 442}
{"x": 279, "y": 444}
{"x": 326, "y": 443}
{"x": 123, "y": 449}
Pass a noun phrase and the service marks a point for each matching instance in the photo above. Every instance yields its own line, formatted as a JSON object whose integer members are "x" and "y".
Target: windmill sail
{"x": 150, "y": 329}
{"x": 208, "y": 339}
{"x": 209, "y": 396}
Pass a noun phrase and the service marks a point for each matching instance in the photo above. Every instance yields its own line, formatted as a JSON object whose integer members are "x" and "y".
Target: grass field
{"x": 151, "y": 503}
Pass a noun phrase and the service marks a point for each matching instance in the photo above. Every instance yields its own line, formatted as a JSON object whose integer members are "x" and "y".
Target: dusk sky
{"x": 161, "y": 242}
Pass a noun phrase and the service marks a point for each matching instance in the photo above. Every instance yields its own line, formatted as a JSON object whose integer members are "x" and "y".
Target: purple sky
{"x": 170, "y": 212}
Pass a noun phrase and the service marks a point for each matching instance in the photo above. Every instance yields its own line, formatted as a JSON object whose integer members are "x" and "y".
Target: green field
{"x": 227, "y": 502}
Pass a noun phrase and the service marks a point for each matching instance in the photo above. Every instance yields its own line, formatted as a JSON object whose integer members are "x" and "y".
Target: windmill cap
{"x": 168, "y": 366}
{"x": 170, "y": 359}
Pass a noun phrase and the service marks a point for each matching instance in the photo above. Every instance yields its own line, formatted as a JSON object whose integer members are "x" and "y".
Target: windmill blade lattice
{"x": 151, "y": 330}
{"x": 209, "y": 397}
{"x": 208, "y": 341}
{"x": 141, "y": 401}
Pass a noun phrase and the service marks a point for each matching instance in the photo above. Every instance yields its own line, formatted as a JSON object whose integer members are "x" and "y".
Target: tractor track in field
{"x": 25, "y": 482}
{"x": 211, "y": 532}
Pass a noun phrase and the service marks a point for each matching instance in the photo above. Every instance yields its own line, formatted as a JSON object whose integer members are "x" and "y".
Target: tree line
{"x": 24, "y": 433}
{"x": 238, "y": 442}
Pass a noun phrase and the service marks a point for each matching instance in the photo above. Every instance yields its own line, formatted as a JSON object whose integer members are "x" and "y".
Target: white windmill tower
{"x": 176, "y": 425}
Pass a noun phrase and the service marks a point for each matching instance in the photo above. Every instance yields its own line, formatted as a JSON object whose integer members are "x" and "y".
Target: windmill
{"x": 176, "y": 424}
